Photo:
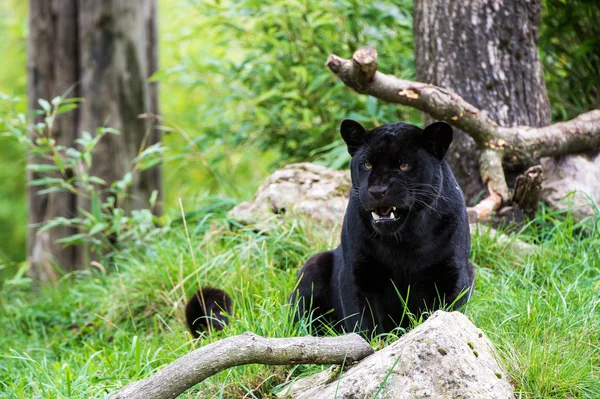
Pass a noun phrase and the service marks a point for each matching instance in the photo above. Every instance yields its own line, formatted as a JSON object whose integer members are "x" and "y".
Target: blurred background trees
{"x": 244, "y": 89}
{"x": 569, "y": 48}
{"x": 104, "y": 53}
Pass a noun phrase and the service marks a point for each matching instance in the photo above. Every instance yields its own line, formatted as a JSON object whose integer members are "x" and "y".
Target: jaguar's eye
{"x": 367, "y": 165}
{"x": 404, "y": 167}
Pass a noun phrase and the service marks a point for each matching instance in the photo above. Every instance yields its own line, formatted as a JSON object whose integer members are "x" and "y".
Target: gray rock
{"x": 445, "y": 357}
{"x": 576, "y": 177}
{"x": 298, "y": 189}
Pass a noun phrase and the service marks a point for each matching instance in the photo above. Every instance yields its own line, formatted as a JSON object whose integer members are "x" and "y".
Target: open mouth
{"x": 385, "y": 213}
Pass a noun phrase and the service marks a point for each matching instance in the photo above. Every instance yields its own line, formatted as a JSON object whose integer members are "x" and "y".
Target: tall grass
{"x": 101, "y": 329}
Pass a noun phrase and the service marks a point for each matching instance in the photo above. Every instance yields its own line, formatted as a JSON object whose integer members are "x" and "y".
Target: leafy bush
{"x": 274, "y": 86}
{"x": 569, "y": 43}
{"x": 105, "y": 224}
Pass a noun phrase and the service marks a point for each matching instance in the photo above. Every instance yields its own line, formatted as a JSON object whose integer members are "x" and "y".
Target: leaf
{"x": 75, "y": 239}
{"x": 56, "y": 222}
{"x": 45, "y": 105}
{"x": 73, "y": 153}
{"x": 64, "y": 108}
{"x": 121, "y": 185}
{"x": 53, "y": 189}
{"x": 97, "y": 228}
{"x": 59, "y": 162}
{"x": 97, "y": 180}
{"x": 86, "y": 136}
{"x": 88, "y": 216}
{"x": 317, "y": 83}
{"x": 109, "y": 130}
{"x": 95, "y": 206}
{"x": 72, "y": 100}
{"x": 42, "y": 168}
{"x": 149, "y": 163}
{"x": 45, "y": 181}
{"x": 153, "y": 198}
{"x": 87, "y": 157}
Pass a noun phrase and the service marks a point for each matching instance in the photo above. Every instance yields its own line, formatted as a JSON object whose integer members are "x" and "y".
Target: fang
{"x": 375, "y": 216}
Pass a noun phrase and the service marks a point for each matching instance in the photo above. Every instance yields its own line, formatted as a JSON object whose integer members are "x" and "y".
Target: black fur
{"x": 198, "y": 317}
{"x": 416, "y": 261}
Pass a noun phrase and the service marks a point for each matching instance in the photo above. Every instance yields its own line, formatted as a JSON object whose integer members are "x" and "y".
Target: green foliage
{"x": 104, "y": 225}
{"x": 13, "y": 202}
{"x": 569, "y": 43}
{"x": 91, "y": 335}
{"x": 273, "y": 86}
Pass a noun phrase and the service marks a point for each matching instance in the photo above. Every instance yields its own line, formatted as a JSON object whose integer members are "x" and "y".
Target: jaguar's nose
{"x": 378, "y": 192}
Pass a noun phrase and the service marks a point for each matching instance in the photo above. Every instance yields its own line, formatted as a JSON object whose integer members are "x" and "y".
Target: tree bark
{"x": 52, "y": 68}
{"x": 105, "y": 51}
{"x": 118, "y": 55}
{"x": 484, "y": 50}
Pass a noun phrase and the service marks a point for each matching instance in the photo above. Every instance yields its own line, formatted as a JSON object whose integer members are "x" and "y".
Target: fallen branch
{"x": 519, "y": 144}
{"x": 247, "y": 348}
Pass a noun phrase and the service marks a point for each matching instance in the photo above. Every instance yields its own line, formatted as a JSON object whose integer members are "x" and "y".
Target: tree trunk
{"x": 118, "y": 54}
{"x": 485, "y": 50}
{"x": 105, "y": 51}
{"x": 52, "y": 67}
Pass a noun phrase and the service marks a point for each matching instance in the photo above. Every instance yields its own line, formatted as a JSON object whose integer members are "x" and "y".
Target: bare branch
{"x": 247, "y": 348}
{"x": 517, "y": 144}
{"x": 440, "y": 103}
{"x": 579, "y": 134}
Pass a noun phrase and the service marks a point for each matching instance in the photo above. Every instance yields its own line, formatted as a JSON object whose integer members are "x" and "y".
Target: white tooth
{"x": 375, "y": 216}
{"x": 394, "y": 208}
{"x": 392, "y": 215}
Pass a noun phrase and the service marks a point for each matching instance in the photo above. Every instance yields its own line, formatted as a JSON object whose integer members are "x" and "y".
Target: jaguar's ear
{"x": 437, "y": 138}
{"x": 352, "y": 132}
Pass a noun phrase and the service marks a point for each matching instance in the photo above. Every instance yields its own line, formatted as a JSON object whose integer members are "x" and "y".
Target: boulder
{"x": 572, "y": 181}
{"x": 445, "y": 357}
{"x": 298, "y": 189}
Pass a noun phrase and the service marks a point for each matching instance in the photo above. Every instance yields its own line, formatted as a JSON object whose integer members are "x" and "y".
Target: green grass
{"x": 543, "y": 311}
{"x": 98, "y": 330}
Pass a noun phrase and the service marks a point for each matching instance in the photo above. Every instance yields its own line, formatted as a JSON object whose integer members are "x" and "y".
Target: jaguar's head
{"x": 396, "y": 169}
